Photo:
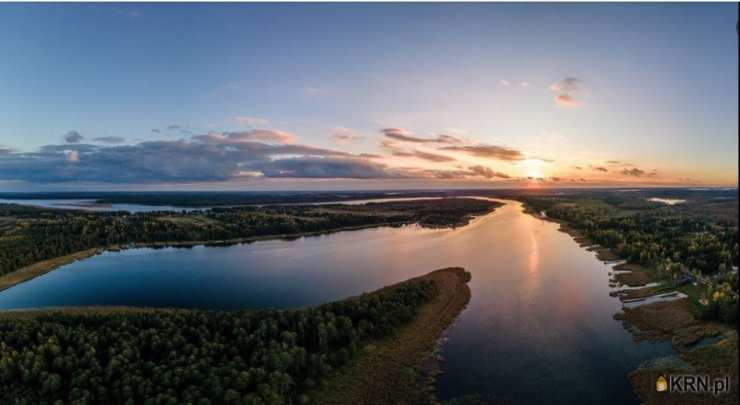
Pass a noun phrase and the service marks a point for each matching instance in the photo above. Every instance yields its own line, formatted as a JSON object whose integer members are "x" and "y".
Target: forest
{"x": 695, "y": 238}
{"x": 198, "y": 357}
{"x": 29, "y": 235}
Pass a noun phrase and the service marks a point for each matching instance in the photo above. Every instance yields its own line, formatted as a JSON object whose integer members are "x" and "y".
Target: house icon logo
{"x": 661, "y": 385}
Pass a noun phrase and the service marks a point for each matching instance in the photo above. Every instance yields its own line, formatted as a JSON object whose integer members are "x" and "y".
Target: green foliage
{"x": 199, "y": 357}
{"x": 669, "y": 240}
{"x": 41, "y": 234}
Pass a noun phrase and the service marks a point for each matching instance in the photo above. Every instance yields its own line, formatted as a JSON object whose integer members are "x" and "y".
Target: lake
{"x": 92, "y": 205}
{"x": 538, "y": 329}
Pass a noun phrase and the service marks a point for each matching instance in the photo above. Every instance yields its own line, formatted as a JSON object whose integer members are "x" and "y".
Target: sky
{"x": 137, "y": 96}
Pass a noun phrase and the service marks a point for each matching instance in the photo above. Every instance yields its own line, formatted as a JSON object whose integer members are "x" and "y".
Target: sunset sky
{"x": 341, "y": 96}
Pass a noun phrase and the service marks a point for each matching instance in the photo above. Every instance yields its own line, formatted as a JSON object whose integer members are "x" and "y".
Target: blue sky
{"x": 653, "y": 87}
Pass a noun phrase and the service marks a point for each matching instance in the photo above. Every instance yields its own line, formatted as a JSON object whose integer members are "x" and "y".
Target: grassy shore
{"x": 401, "y": 369}
{"x": 668, "y": 320}
{"x": 42, "y": 267}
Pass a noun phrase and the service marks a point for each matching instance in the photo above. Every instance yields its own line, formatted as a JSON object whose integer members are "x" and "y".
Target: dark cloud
{"x": 613, "y": 162}
{"x": 73, "y": 137}
{"x": 311, "y": 167}
{"x": 110, "y": 139}
{"x": 487, "y": 172}
{"x": 578, "y": 167}
{"x": 400, "y": 134}
{"x": 635, "y": 172}
{"x": 431, "y": 157}
{"x": 488, "y": 151}
{"x": 471, "y": 172}
{"x": 567, "y": 85}
{"x": 369, "y": 156}
{"x": 174, "y": 161}
{"x": 600, "y": 169}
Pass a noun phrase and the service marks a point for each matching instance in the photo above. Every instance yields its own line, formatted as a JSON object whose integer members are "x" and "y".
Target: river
{"x": 538, "y": 329}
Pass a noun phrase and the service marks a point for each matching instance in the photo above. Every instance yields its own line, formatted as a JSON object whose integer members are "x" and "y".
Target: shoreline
{"x": 37, "y": 269}
{"x": 45, "y": 266}
{"x": 402, "y": 368}
{"x": 672, "y": 321}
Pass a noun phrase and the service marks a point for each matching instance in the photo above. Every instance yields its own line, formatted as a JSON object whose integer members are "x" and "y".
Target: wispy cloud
{"x": 260, "y": 135}
{"x": 346, "y": 135}
{"x": 565, "y": 100}
{"x": 251, "y": 121}
{"x": 109, "y": 139}
{"x": 314, "y": 91}
{"x": 568, "y": 89}
{"x": 567, "y": 85}
{"x": 403, "y": 135}
{"x": 488, "y": 151}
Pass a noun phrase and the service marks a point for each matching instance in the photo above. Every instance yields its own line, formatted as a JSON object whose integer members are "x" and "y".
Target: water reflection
{"x": 538, "y": 329}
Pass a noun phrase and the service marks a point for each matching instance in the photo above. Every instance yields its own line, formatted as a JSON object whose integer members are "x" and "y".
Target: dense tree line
{"x": 661, "y": 238}
{"x": 29, "y": 235}
{"x": 199, "y": 357}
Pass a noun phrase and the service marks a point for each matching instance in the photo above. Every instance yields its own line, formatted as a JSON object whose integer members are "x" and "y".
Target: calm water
{"x": 91, "y": 205}
{"x": 538, "y": 329}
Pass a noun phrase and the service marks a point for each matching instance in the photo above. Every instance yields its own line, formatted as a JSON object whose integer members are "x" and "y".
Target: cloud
{"x": 251, "y": 121}
{"x": 578, "y": 167}
{"x": 488, "y": 151}
{"x": 613, "y": 162}
{"x": 432, "y": 157}
{"x": 567, "y": 88}
{"x": 635, "y": 172}
{"x": 600, "y": 169}
{"x": 471, "y": 172}
{"x": 312, "y": 167}
{"x": 73, "y": 137}
{"x": 346, "y": 135}
{"x": 109, "y": 139}
{"x": 504, "y": 83}
{"x": 567, "y": 85}
{"x": 564, "y": 100}
{"x": 400, "y": 134}
{"x": 260, "y": 135}
{"x": 395, "y": 150}
{"x": 487, "y": 172}
{"x": 175, "y": 128}
{"x": 369, "y": 156}
{"x": 314, "y": 91}
{"x": 73, "y": 156}
{"x": 212, "y": 157}
{"x": 524, "y": 84}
